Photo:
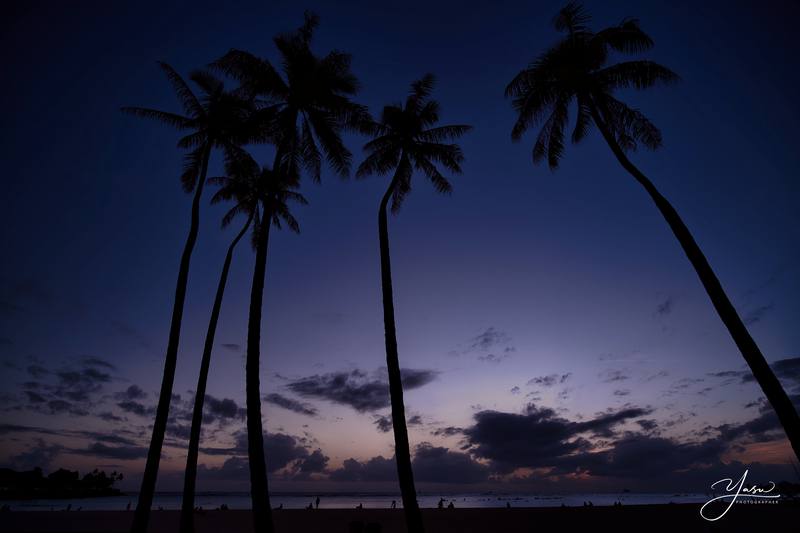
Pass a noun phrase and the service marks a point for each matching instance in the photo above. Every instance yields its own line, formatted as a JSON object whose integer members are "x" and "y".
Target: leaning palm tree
{"x": 577, "y": 69}
{"x": 242, "y": 186}
{"x": 213, "y": 120}
{"x": 406, "y": 139}
{"x": 303, "y": 113}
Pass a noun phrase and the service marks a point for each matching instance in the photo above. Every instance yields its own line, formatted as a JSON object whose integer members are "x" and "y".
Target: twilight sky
{"x": 553, "y": 332}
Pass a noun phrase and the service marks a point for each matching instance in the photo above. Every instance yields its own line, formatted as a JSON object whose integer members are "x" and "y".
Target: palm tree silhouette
{"x": 303, "y": 112}
{"x": 214, "y": 120}
{"x": 307, "y": 107}
{"x": 273, "y": 191}
{"x": 576, "y": 68}
{"x": 241, "y": 185}
{"x": 405, "y": 140}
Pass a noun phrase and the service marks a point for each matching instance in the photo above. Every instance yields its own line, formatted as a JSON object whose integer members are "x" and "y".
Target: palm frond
{"x": 171, "y": 119}
{"x": 572, "y": 18}
{"x": 627, "y": 37}
{"x": 189, "y": 101}
{"x": 636, "y": 74}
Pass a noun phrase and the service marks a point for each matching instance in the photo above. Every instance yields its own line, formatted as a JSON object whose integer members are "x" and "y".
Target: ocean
{"x": 241, "y": 500}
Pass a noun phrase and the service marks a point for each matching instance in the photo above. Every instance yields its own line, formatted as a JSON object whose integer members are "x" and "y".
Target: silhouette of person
{"x": 360, "y": 506}
{"x": 508, "y": 505}
{"x": 128, "y": 507}
{"x": 394, "y": 504}
{"x": 451, "y": 506}
{"x": 317, "y": 502}
{"x": 441, "y": 503}
{"x": 310, "y": 506}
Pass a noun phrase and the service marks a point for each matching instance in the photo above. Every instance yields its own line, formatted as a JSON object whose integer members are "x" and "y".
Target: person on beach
{"x": 317, "y": 502}
{"x": 394, "y": 504}
{"x": 441, "y": 503}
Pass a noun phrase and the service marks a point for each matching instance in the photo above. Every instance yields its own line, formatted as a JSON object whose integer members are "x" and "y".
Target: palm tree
{"x": 241, "y": 185}
{"x": 303, "y": 113}
{"x": 577, "y": 69}
{"x": 273, "y": 191}
{"x": 405, "y": 140}
{"x": 212, "y": 120}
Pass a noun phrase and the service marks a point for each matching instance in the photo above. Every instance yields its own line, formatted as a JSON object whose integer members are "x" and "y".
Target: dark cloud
{"x": 448, "y": 431}
{"x": 537, "y": 437}
{"x": 315, "y": 463}
{"x": 134, "y": 392}
{"x": 291, "y": 404}
{"x": 136, "y": 408}
{"x": 223, "y": 409}
{"x": 488, "y": 340}
{"x": 375, "y": 469}
{"x": 356, "y": 389}
{"x": 622, "y": 392}
{"x": 63, "y": 406}
{"x": 440, "y": 465}
{"x": 550, "y": 380}
{"x": 414, "y": 420}
{"x": 232, "y": 346}
{"x": 665, "y": 307}
{"x": 613, "y": 376}
{"x": 383, "y": 423}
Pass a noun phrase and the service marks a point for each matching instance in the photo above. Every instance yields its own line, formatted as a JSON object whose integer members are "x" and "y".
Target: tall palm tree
{"x": 274, "y": 191}
{"x": 577, "y": 69}
{"x": 241, "y": 185}
{"x": 212, "y": 119}
{"x": 302, "y": 112}
{"x": 304, "y": 109}
{"x": 406, "y": 139}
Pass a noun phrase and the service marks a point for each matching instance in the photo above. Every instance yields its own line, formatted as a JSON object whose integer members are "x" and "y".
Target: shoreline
{"x": 661, "y": 517}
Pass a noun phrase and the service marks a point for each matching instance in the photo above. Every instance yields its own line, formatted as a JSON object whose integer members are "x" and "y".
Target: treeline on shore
{"x": 33, "y": 484}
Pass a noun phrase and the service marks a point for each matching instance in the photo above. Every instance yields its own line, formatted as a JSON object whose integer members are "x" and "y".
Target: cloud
{"x": 136, "y": 408}
{"x": 383, "y": 423}
{"x": 550, "y": 380}
{"x": 291, "y": 404}
{"x": 447, "y": 431}
{"x": 375, "y": 469}
{"x": 233, "y": 347}
{"x": 315, "y": 463}
{"x": 537, "y": 437}
{"x": 612, "y": 376}
{"x": 356, "y": 389}
{"x": 134, "y": 392}
{"x": 224, "y": 409}
{"x": 440, "y": 465}
{"x": 665, "y": 307}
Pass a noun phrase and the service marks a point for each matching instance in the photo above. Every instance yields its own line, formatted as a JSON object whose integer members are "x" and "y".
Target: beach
{"x": 675, "y": 517}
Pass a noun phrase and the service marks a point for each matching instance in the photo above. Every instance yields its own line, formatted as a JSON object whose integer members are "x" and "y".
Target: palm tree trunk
{"x": 142, "y": 515}
{"x": 187, "y": 508}
{"x": 259, "y": 492}
{"x": 763, "y": 374}
{"x": 401, "y": 446}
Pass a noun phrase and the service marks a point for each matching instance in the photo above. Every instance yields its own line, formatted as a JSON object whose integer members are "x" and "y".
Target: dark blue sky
{"x": 561, "y": 273}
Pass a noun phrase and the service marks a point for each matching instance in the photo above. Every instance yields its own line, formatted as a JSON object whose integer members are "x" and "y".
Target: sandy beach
{"x": 632, "y": 518}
